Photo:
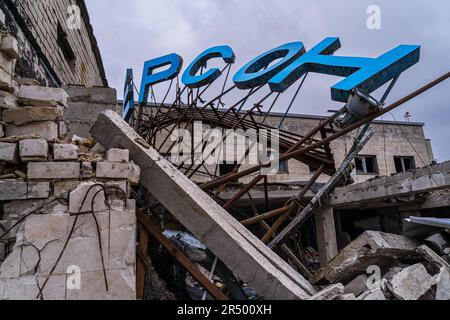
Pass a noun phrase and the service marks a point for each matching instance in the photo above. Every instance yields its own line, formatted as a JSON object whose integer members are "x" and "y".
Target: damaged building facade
{"x": 91, "y": 207}
{"x": 56, "y": 40}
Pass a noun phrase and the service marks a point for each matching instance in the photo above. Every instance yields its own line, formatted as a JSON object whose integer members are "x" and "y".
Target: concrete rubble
{"x": 407, "y": 270}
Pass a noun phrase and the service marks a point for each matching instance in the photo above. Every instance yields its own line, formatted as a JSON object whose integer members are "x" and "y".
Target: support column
{"x": 326, "y": 234}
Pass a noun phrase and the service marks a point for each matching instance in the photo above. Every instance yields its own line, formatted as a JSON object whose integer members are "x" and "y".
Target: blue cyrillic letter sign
{"x": 148, "y": 78}
{"x": 367, "y": 74}
{"x": 257, "y": 72}
{"x": 191, "y": 80}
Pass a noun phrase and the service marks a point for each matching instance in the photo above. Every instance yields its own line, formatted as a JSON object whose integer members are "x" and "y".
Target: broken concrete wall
{"x": 84, "y": 106}
{"x": 27, "y": 273}
{"x": 68, "y": 230}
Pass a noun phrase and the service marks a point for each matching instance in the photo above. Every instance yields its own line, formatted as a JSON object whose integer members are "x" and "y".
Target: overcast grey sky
{"x": 130, "y": 32}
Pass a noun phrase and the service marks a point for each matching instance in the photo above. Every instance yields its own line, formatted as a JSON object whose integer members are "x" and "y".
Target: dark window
{"x": 66, "y": 49}
{"x": 404, "y": 164}
{"x": 283, "y": 167}
{"x": 366, "y": 165}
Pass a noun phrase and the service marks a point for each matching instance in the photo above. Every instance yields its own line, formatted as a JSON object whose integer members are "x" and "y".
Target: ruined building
{"x": 94, "y": 207}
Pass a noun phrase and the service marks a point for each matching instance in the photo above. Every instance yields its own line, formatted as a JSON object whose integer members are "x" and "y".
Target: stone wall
{"x": 67, "y": 225}
{"x": 57, "y": 46}
{"x": 85, "y": 104}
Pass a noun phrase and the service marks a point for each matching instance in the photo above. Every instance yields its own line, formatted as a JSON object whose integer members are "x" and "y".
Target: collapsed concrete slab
{"x": 371, "y": 248}
{"x": 422, "y": 180}
{"x": 241, "y": 252}
{"x": 411, "y": 283}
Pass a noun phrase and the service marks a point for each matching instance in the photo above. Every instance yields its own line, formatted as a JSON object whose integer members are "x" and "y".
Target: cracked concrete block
{"x": 8, "y": 100}
{"x": 55, "y": 289}
{"x": 10, "y": 47}
{"x": 14, "y": 209}
{"x": 118, "y": 238}
{"x": 47, "y": 130}
{"x": 111, "y": 170}
{"x": 5, "y": 80}
{"x": 38, "y": 190}
{"x": 411, "y": 283}
{"x": 19, "y": 289}
{"x": 10, "y": 268}
{"x": 87, "y": 170}
{"x": 31, "y": 150}
{"x": 118, "y": 155}
{"x": 60, "y": 188}
{"x": 65, "y": 152}
{"x": 42, "y": 96}
{"x": 438, "y": 242}
{"x": 9, "y": 152}
{"x": 121, "y": 285}
{"x": 81, "y": 199}
{"x": 443, "y": 284}
{"x": 122, "y": 249}
{"x": 373, "y": 295}
{"x": 82, "y": 251}
{"x": 27, "y": 288}
{"x": 357, "y": 286}
{"x": 13, "y": 190}
{"x": 93, "y": 95}
{"x": 48, "y": 232}
{"x": 41, "y": 230}
{"x": 26, "y": 115}
{"x": 53, "y": 170}
{"x": 122, "y": 185}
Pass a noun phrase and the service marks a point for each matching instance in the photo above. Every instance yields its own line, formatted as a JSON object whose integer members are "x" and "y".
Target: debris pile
{"x": 381, "y": 266}
{"x": 67, "y": 223}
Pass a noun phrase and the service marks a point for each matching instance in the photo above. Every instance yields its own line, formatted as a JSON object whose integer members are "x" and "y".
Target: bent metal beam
{"x": 235, "y": 246}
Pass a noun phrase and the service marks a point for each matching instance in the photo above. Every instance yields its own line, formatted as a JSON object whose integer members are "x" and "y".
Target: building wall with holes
{"x": 56, "y": 42}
